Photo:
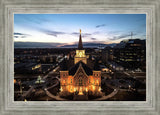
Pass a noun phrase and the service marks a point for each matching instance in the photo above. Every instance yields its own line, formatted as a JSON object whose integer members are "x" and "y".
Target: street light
{"x": 129, "y": 86}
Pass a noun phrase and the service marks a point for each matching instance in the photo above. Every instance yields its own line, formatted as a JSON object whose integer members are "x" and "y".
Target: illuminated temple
{"x": 80, "y": 79}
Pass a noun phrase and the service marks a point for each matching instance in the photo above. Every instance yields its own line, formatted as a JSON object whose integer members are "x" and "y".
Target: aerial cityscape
{"x": 79, "y": 57}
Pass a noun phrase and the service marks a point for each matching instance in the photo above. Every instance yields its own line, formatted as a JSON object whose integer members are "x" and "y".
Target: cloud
{"x": 16, "y": 36}
{"x": 102, "y": 25}
{"x": 83, "y": 34}
{"x": 114, "y": 32}
{"x": 75, "y": 33}
{"x": 23, "y": 36}
{"x": 52, "y": 33}
{"x": 96, "y": 32}
{"x": 86, "y": 34}
{"x": 16, "y": 33}
{"x": 121, "y": 36}
{"x": 93, "y": 39}
{"x": 20, "y": 35}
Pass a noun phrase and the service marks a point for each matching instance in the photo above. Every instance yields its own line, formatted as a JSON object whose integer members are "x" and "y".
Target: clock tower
{"x": 80, "y": 53}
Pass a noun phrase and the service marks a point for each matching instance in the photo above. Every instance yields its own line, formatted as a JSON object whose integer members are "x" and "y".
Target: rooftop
{"x": 73, "y": 69}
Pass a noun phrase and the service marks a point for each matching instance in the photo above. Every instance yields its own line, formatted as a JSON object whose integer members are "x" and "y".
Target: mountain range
{"x": 58, "y": 45}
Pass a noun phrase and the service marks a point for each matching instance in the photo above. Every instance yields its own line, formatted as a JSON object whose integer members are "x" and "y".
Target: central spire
{"x": 80, "y": 46}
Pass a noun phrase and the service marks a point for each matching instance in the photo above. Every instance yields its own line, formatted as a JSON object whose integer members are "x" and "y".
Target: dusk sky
{"x": 64, "y": 28}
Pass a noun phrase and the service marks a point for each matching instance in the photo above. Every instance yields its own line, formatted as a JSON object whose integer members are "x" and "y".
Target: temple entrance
{"x": 80, "y": 91}
{"x": 80, "y": 96}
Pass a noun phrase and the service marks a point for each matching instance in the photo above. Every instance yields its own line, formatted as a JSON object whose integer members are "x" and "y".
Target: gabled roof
{"x": 74, "y": 69}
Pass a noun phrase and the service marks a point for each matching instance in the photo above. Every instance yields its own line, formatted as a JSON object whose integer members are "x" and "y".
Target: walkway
{"x": 51, "y": 95}
{"x": 28, "y": 92}
{"x": 54, "y": 97}
{"x": 108, "y": 96}
{"x": 127, "y": 74}
{"x": 53, "y": 85}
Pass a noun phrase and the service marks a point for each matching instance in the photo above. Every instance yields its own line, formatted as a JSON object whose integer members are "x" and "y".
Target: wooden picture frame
{"x": 149, "y": 107}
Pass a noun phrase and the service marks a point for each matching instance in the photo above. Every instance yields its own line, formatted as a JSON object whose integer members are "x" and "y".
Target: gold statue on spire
{"x": 80, "y": 31}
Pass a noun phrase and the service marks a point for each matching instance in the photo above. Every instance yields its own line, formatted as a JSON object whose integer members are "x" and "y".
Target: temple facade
{"x": 80, "y": 79}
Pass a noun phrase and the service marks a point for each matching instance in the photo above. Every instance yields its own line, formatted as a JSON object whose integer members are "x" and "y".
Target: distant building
{"x": 107, "y": 54}
{"x": 131, "y": 53}
{"x": 80, "y": 79}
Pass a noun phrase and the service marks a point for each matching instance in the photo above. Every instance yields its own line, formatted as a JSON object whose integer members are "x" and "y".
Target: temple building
{"x": 80, "y": 79}
{"x": 80, "y": 53}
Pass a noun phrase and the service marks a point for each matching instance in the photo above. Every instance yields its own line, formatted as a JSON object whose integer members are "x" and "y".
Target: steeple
{"x": 80, "y": 46}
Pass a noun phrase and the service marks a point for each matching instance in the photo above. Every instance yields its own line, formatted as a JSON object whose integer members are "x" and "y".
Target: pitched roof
{"x": 73, "y": 69}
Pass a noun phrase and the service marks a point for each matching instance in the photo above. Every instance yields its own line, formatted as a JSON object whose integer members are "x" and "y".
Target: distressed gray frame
{"x": 149, "y": 107}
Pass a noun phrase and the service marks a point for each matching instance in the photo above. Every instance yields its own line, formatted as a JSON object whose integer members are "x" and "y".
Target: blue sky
{"x": 64, "y": 28}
